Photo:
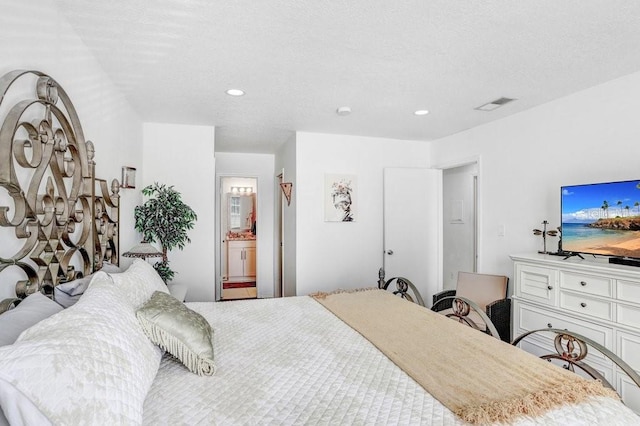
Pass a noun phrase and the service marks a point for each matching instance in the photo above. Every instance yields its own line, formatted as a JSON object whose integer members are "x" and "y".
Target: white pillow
{"x": 110, "y": 268}
{"x": 79, "y": 286}
{"x": 89, "y": 364}
{"x": 141, "y": 280}
{"x": 33, "y": 309}
{"x": 67, "y": 294}
{"x": 75, "y": 287}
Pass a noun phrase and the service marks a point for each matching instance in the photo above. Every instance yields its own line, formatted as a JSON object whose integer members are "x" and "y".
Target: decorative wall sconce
{"x": 241, "y": 190}
{"x": 286, "y": 189}
{"x": 128, "y": 177}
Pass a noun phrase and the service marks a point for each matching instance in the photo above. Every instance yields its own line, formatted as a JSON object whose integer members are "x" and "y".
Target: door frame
{"x": 220, "y": 204}
{"x": 278, "y": 290}
{"x": 477, "y": 160}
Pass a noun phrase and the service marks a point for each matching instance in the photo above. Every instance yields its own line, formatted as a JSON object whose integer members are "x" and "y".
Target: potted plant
{"x": 164, "y": 218}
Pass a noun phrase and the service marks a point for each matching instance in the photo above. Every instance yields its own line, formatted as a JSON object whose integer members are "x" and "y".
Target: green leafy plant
{"x": 164, "y": 218}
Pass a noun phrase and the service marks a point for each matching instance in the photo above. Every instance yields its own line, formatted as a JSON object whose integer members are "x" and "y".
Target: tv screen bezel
{"x": 562, "y": 245}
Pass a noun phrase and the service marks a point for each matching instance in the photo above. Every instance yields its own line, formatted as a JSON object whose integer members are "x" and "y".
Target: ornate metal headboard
{"x": 58, "y": 221}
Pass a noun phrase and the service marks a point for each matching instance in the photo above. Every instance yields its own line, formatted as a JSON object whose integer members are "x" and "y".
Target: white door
{"x": 412, "y": 223}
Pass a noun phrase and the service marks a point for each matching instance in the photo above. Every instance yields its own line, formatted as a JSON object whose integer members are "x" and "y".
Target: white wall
{"x": 33, "y": 35}
{"x": 183, "y": 156}
{"x": 590, "y": 136}
{"x": 333, "y": 255}
{"x": 286, "y": 161}
{"x": 260, "y": 166}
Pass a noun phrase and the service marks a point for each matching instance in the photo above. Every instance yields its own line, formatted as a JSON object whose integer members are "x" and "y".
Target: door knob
{"x": 389, "y": 252}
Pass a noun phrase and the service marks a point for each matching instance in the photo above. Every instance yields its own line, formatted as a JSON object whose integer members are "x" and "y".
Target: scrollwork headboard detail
{"x": 58, "y": 221}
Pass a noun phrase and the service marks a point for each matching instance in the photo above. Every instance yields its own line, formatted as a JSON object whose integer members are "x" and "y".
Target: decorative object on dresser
{"x": 164, "y": 218}
{"x": 545, "y": 233}
{"x": 585, "y": 296}
{"x": 64, "y": 219}
{"x": 488, "y": 296}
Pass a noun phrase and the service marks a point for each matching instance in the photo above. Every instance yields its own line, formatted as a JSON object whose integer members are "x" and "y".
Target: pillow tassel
{"x": 173, "y": 345}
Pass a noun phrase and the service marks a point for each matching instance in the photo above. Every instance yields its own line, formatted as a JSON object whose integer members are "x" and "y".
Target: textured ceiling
{"x": 300, "y": 60}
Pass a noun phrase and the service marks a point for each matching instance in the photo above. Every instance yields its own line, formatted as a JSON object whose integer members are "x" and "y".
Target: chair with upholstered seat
{"x": 489, "y": 292}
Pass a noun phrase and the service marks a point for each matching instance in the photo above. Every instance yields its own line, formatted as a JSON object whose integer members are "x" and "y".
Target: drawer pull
{"x": 549, "y": 325}
{"x": 584, "y": 305}
{"x": 549, "y": 287}
{"x": 583, "y": 283}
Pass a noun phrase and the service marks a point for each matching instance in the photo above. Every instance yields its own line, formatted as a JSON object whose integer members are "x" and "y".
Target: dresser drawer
{"x": 589, "y": 284}
{"x": 628, "y": 315}
{"x": 586, "y": 305}
{"x": 536, "y": 284}
{"x": 529, "y": 318}
{"x": 628, "y": 291}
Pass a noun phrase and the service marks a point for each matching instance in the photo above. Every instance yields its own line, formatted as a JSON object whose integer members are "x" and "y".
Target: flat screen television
{"x": 602, "y": 219}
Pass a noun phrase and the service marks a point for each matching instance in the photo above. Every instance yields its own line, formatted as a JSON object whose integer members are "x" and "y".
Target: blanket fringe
{"x": 323, "y": 295}
{"x": 196, "y": 364}
{"x": 535, "y": 404}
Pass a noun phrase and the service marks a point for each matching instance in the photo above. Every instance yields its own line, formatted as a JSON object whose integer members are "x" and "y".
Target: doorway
{"x": 460, "y": 222}
{"x": 239, "y": 237}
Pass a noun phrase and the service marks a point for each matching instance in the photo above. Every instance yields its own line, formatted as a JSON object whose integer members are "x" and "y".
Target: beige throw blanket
{"x": 479, "y": 378}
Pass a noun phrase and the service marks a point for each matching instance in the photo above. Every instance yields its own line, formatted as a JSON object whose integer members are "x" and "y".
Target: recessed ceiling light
{"x": 343, "y": 110}
{"x": 235, "y": 92}
{"x": 421, "y": 112}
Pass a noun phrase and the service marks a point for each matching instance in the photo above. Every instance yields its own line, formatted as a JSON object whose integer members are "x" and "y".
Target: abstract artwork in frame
{"x": 339, "y": 198}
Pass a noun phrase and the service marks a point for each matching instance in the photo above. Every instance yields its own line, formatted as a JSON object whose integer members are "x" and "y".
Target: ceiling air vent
{"x": 494, "y": 104}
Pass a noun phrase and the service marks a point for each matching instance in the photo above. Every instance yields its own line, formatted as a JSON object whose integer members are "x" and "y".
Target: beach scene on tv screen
{"x": 602, "y": 218}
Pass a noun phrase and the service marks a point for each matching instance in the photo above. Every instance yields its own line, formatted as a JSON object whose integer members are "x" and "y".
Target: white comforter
{"x": 290, "y": 361}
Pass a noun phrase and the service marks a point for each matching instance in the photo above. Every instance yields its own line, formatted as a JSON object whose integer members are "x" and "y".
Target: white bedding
{"x": 290, "y": 361}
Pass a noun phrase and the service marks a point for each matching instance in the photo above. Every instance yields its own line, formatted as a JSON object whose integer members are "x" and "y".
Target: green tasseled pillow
{"x": 182, "y": 332}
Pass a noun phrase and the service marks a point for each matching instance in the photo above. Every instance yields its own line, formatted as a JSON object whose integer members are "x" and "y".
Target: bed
{"x": 358, "y": 357}
{"x": 277, "y": 361}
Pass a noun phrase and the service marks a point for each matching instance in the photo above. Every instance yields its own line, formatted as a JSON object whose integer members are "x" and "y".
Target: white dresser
{"x": 591, "y": 297}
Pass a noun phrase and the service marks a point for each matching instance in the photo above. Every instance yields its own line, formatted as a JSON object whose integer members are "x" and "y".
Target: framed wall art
{"x": 339, "y": 198}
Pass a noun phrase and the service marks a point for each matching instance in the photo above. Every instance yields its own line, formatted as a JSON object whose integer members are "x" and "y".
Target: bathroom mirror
{"x": 240, "y": 212}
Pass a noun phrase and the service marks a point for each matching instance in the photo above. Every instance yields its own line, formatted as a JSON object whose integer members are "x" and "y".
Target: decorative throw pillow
{"x": 33, "y": 309}
{"x": 183, "y": 333}
{"x": 89, "y": 364}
